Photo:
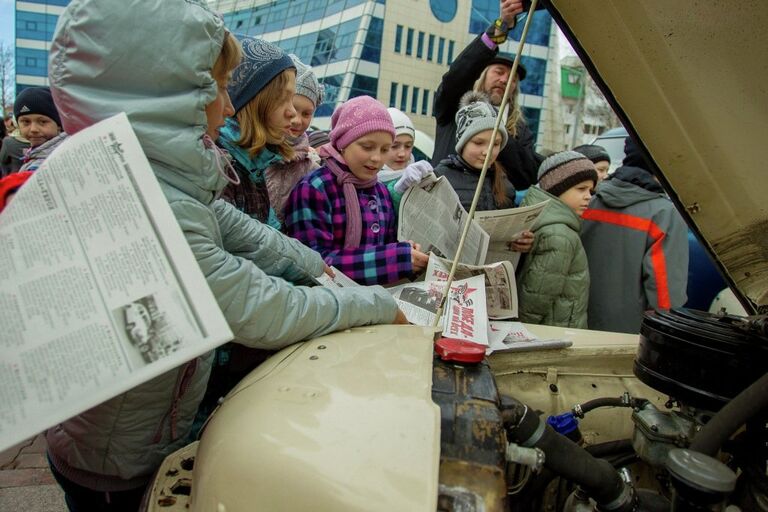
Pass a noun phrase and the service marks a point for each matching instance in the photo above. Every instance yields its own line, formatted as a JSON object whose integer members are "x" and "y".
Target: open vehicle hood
{"x": 689, "y": 79}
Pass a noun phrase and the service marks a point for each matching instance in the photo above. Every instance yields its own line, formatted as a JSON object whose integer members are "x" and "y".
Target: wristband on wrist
{"x": 498, "y": 25}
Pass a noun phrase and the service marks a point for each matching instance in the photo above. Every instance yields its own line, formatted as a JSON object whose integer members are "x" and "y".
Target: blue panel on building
{"x": 31, "y": 62}
{"x": 484, "y": 12}
{"x": 62, "y": 3}
{"x": 35, "y": 26}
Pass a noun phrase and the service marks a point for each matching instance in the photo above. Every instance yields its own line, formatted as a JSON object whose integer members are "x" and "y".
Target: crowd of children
{"x": 265, "y": 207}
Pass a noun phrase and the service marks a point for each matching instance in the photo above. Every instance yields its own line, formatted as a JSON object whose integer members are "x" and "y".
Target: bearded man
{"x": 482, "y": 68}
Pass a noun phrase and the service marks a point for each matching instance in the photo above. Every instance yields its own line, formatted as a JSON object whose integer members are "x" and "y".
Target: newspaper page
{"x": 465, "y": 315}
{"x": 432, "y": 216}
{"x": 339, "y": 280}
{"x": 504, "y": 226}
{"x": 100, "y": 290}
{"x": 517, "y": 338}
{"x": 500, "y": 285}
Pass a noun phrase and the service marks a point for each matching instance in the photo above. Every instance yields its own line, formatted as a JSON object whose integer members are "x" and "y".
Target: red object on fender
{"x": 460, "y": 351}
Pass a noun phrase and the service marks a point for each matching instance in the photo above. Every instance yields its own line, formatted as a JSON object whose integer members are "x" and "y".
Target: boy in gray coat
{"x": 637, "y": 246}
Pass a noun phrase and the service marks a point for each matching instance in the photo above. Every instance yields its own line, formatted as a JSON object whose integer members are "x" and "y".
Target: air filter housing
{"x": 702, "y": 360}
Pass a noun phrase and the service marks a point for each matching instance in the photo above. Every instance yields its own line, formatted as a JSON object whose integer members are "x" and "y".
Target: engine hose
{"x": 601, "y": 450}
{"x": 597, "y": 477}
{"x": 731, "y": 417}
{"x": 579, "y": 410}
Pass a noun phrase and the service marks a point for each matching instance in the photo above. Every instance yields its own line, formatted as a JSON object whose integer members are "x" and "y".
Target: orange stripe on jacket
{"x": 658, "y": 262}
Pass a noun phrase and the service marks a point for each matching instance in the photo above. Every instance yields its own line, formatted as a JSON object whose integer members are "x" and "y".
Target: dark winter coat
{"x": 11, "y": 154}
{"x": 464, "y": 180}
{"x": 637, "y": 246}
{"x": 517, "y": 157}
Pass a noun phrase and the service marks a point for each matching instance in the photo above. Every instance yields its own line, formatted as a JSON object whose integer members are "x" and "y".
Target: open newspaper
{"x": 464, "y": 316}
{"x": 500, "y": 286}
{"x": 431, "y": 215}
{"x": 504, "y": 226}
{"x": 100, "y": 290}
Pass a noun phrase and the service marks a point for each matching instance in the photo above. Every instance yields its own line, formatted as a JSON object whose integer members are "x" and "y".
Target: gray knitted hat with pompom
{"x": 476, "y": 114}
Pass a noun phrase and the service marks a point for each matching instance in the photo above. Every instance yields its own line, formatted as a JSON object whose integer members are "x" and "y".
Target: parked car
{"x": 380, "y": 418}
{"x": 613, "y": 142}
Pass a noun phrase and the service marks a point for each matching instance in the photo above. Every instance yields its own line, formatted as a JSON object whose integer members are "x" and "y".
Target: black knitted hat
{"x": 36, "y": 100}
{"x": 594, "y": 152}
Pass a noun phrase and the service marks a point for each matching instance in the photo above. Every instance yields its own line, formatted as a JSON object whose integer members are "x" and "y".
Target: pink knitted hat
{"x": 357, "y": 117}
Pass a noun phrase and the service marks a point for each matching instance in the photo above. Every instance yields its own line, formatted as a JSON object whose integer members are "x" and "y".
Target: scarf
{"x": 349, "y": 184}
{"x": 255, "y": 166}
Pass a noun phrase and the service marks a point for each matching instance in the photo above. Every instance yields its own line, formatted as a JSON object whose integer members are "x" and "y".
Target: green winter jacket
{"x": 553, "y": 281}
{"x": 152, "y": 60}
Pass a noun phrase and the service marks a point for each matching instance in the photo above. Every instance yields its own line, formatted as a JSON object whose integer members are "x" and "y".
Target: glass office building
{"x": 394, "y": 50}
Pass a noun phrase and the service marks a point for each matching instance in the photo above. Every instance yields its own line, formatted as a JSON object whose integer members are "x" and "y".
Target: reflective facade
{"x": 394, "y": 50}
{"x": 35, "y": 23}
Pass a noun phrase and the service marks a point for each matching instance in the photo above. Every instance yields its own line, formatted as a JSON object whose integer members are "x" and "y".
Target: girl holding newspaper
{"x": 474, "y": 126}
{"x": 342, "y": 211}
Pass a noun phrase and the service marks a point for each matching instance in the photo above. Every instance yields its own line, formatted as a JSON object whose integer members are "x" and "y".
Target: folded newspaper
{"x": 465, "y": 316}
{"x": 500, "y": 286}
{"x": 514, "y": 337}
{"x": 100, "y": 289}
{"x": 431, "y": 214}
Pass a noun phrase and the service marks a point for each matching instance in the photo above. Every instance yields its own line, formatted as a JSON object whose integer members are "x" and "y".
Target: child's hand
{"x": 419, "y": 260}
{"x": 523, "y": 243}
{"x": 412, "y": 175}
{"x": 400, "y": 318}
{"x": 327, "y": 270}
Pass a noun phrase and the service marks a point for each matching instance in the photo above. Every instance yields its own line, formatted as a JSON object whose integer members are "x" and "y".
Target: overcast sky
{"x": 7, "y": 20}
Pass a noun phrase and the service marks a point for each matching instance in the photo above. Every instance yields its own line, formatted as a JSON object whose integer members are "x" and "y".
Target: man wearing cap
{"x": 482, "y": 68}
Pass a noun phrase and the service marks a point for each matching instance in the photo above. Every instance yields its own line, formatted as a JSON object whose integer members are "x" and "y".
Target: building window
{"x": 372, "y": 47}
{"x": 430, "y": 47}
{"x": 450, "y": 52}
{"x": 364, "y": 86}
{"x": 30, "y": 62}
{"x": 393, "y": 95}
{"x": 31, "y": 25}
{"x": 404, "y": 98}
{"x": 532, "y": 117}
{"x": 398, "y": 38}
{"x": 536, "y": 70}
{"x": 440, "y": 47}
{"x": 415, "y": 100}
{"x": 409, "y": 42}
{"x": 425, "y": 103}
{"x": 420, "y": 46}
{"x": 482, "y": 14}
{"x": 443, "y": 10}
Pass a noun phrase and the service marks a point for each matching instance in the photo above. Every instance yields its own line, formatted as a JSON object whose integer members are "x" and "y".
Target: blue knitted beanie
{"x": 262, "y": 61}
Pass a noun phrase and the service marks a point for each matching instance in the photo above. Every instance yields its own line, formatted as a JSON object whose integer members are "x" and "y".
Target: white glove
{"x": 412, "y": 175}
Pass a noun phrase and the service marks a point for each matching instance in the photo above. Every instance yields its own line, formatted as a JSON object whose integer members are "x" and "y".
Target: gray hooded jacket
{"x": 153, "y": 60}
{"x": 637, "y": 248}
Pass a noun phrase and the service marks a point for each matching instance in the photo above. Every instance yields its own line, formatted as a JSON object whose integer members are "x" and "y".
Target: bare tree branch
{"x": 7, "y": 85}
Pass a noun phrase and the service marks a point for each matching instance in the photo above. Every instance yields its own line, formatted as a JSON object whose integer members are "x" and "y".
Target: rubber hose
{"x": 731, "y": 417}
{"x": 597, "y": 477}
{"x": 601, "y": 450}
